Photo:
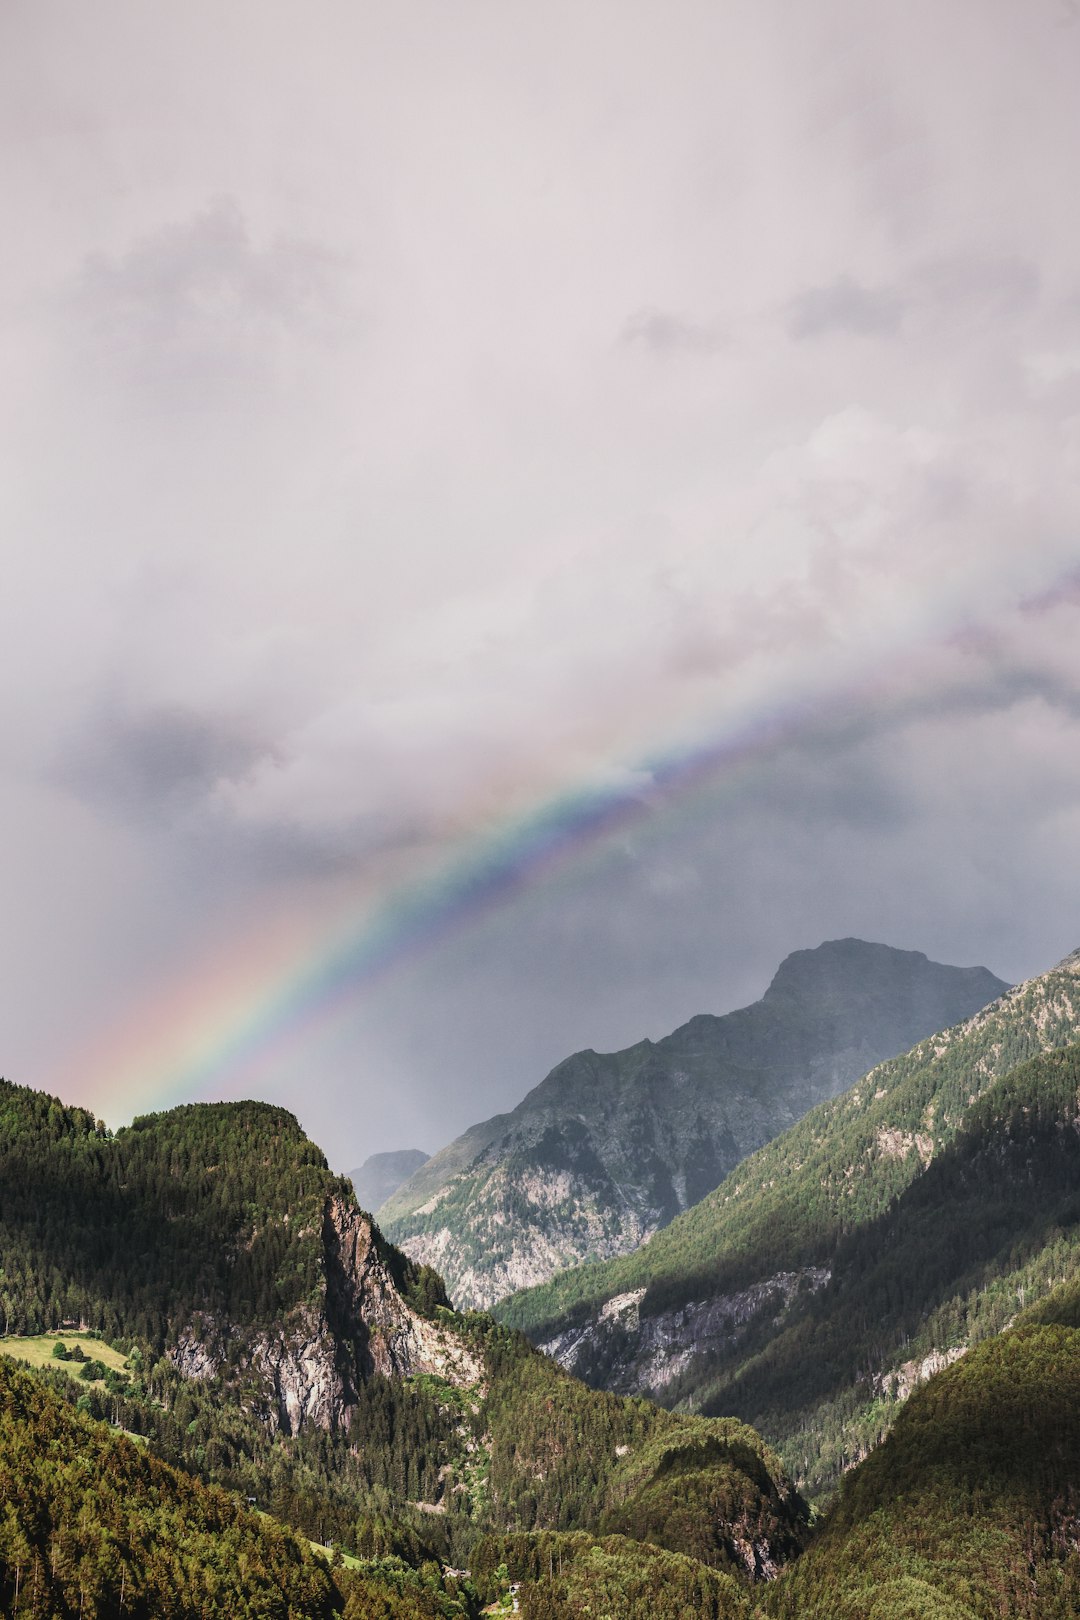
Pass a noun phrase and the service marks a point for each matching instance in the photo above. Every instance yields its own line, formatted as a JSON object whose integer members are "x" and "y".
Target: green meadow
{"x": 37, "y": 1350}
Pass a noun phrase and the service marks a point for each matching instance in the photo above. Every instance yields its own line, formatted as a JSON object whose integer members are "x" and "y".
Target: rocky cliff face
{"x": 612, "y": 1147}
{"x": 306, "y": 1372}
{"x": 633, "y": 1354}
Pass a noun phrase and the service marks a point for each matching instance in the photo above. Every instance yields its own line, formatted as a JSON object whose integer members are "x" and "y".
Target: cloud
{"x": 404, "y": 430}
{"x": 845, "y": 306}
{"x": 155, "y": 763}
{"x": 196, "y": 314}
{"x": 979, "y": 286}
{"x": 665, "y": 333}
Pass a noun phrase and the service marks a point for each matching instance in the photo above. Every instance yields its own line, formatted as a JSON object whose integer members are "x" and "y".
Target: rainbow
{"x": 273, "y": 990}
{"x": 269, "y": 994}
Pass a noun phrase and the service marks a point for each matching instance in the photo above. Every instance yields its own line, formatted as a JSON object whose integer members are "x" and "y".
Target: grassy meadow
{"x": 36, "y": 1350}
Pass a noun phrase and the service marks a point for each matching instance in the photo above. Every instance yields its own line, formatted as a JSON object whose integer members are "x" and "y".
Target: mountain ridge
{"x": 276, "y": 1343}
{"x": 609, "y": 1147}
{"x": 842, "y": 1263}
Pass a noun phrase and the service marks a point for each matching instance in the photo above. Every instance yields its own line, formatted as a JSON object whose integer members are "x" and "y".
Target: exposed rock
{"x": 613, "y": 1146}
{"x": 308, "y": 1371}
{"x": 899, "y": 1382}
{"x": 641, "y": 1355}
{"x": 198, "y": 1352}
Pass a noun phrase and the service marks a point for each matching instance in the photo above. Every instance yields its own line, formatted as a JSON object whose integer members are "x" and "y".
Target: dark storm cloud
{"x": 193, "y": 311}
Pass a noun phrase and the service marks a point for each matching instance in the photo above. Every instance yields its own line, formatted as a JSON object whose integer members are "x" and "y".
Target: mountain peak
{"x": 612, "y": 1146}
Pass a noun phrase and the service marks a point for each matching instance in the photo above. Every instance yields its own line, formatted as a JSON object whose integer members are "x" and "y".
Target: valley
{"x": 839, "y": 1384}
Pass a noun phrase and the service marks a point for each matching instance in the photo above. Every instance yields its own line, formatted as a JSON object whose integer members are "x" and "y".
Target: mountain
{"x": 969, "y": 1509}
{"x": 277, "y": 1346}
{"x": 383, "y": 1173}
{"x": 611, "y": 1147}
{"x": 865, "y": 1249}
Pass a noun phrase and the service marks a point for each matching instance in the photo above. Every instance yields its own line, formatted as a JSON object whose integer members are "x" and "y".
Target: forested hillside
{"x": 277, "y": 1346}
{"x": 612, "y": 1146}
{"x": 213, "y": 1208}
{"x": 970, "y": 1509}
{"x": 95, "y": 1526}
{"x": 887, "y": 1231}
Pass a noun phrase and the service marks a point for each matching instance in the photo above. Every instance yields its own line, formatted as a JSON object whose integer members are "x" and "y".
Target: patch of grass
{"x": 36, "y": 1350}
{"x": 348, "y": 1559}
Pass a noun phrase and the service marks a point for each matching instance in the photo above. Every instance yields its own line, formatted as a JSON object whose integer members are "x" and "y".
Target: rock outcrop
{"x": 631, "y": 1354}
{"x": 306, "y": 1372}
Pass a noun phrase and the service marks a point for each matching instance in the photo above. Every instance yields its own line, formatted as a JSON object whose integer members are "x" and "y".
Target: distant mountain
{"x": 864, "y": 1250}
{"x": 611, "y": 1147}
{"x": 383, "y": 1173}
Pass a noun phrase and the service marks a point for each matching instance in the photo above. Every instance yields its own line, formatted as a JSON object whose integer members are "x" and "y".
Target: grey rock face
{"x": 613, "y": 1146}
{"x": 307, "y": 1372}
{"x": 380, "y": 1176}
{"x": 644, "y": 1355}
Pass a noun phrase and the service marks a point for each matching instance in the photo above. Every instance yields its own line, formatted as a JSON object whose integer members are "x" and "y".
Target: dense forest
{"x": 216, "y": 1208}
{"x": 93, "y": 1525}
{"x": 970, "y": 1510}
{"x": 971, "y": 1507}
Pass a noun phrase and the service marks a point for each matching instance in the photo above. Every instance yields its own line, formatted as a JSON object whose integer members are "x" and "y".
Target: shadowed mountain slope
{"x": 612, "y": 1146}
{"x": 970, "y": 1509}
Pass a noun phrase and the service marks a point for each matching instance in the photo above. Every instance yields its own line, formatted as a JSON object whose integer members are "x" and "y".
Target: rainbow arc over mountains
{"x": 274, "y": 991}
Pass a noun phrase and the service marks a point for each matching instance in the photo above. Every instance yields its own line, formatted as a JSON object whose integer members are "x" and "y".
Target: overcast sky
{"x": 418, "y": 415}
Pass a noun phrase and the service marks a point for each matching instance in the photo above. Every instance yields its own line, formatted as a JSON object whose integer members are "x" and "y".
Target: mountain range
{"x": 278, "y": 1346}
{"x": 288, "y": 1419}
{"x": 610, "y": 1147}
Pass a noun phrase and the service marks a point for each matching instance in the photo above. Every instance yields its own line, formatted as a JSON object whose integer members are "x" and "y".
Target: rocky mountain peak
{"x": 610, "y": 1147}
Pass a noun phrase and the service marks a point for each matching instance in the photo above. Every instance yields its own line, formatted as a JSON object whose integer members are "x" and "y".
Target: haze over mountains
{"x": 610, "y": 1147}
{"x": 381, "y": 1174}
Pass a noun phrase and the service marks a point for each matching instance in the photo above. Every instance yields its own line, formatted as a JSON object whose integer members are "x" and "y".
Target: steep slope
{"x": 277, "y": 1344}
{"x": 970, "y": 1509}
{"x": 611, "y": 1147}
{"x": 855, "y": 1255}
{"x": 217, "y": 1232}
{"x": 380, "y": 1175}
{"x": 92, "y": 1525}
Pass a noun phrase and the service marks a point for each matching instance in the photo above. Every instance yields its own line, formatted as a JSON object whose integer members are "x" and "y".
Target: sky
{"x": 516, "y": 517}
